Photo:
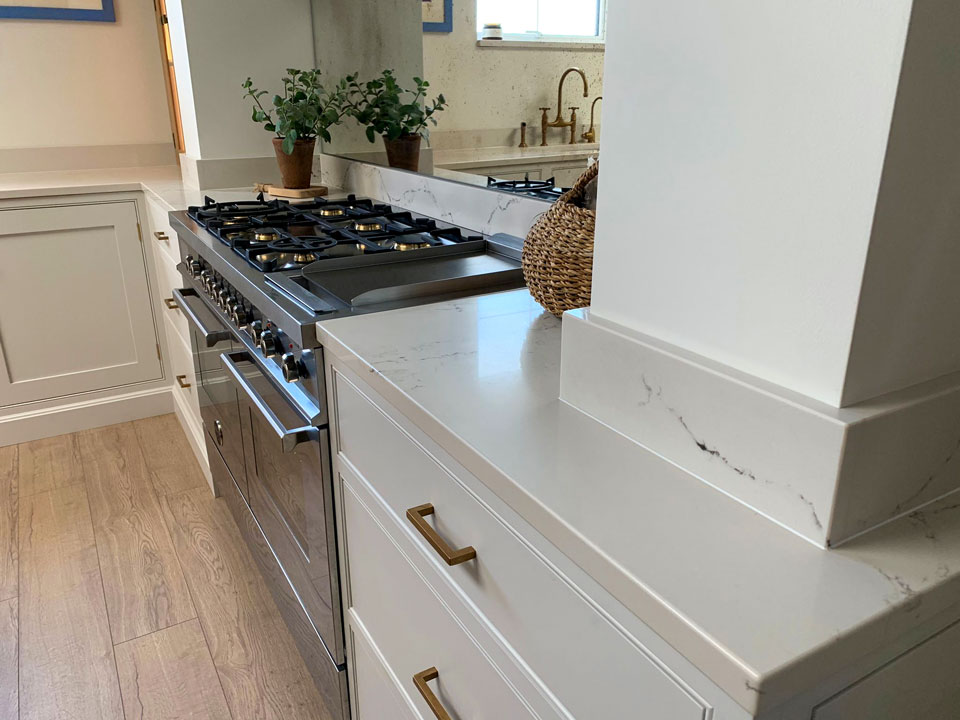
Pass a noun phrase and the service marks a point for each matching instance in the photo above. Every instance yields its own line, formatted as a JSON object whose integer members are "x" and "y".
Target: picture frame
{"x": 437, "y": 15}
{"x": 98, "y": 11}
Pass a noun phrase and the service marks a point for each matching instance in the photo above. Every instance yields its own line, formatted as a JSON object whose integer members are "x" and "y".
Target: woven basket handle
{"x": 579, "y": 187}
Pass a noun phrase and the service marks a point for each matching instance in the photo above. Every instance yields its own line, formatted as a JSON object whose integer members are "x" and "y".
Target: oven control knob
{"x": 204, "y": 278}
{"x": 193, "y": 266}
{"x": 214, "y": 290}
{"x": 268, "y": 343}
{"x": 239, "y": 315}
{"x": 256, "y": 330}
{"x": 290, "y": 367}
{"x": 222, "y": 297}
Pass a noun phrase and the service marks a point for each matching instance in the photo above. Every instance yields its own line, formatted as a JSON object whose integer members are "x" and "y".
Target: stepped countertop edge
{"x": 761, "y": 612}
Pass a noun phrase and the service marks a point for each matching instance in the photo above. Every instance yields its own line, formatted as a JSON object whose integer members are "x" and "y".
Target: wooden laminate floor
{"x": 126, "y": 590}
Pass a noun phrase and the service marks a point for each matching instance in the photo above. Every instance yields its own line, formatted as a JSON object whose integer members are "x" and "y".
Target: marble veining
{"x": 759, "y": 610}
{"x": 479, "y": 209}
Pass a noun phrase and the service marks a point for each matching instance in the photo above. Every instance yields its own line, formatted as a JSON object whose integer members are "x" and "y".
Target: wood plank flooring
{"x": 126, "y": 590}
{"x": 142, "y": 581}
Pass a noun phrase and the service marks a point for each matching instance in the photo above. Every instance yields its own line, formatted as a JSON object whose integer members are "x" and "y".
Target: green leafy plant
{"x": 305, "y": 110}
{"x": 389, "y": 110}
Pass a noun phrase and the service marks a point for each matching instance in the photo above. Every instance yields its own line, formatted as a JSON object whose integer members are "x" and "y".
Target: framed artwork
{"x": 437, "y": 15}
{"x": 90, "y": 10}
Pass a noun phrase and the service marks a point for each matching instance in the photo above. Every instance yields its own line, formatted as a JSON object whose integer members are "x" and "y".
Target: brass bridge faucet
{"x": 558, "y": 121}
{"x": 591, "y": 134}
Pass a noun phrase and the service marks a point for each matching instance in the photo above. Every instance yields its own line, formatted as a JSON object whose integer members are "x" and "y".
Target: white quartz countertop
{"x": 760, "y": 611}
{"x": 162, "y": 183}
{"x": 492, "y": 156}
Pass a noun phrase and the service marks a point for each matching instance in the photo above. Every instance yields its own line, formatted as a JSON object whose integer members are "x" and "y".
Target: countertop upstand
{"x": 763, "y": 613}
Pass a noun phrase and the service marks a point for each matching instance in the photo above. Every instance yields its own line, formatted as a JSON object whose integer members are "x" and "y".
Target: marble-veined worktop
{"x": 163, "y": 183}
{"x": 762, "y": 612}
{"x": 497, "y": 156}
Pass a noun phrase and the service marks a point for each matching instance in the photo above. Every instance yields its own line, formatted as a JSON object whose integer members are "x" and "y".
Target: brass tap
{"x": 558, "y": 121}
{"x": 590, "y": 135}
{"x": 523, "y": 135}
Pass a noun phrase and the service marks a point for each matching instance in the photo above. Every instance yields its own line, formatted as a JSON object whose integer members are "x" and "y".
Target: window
{"x": 550, "y": 20}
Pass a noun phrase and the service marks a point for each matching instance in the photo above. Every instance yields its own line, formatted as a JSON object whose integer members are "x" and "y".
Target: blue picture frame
{"x": 447, "y": 24}
{"x": 23, "y": 12}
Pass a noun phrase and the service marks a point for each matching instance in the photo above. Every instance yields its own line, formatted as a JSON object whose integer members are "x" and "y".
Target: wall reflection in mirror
{"x": 521, "y": 84}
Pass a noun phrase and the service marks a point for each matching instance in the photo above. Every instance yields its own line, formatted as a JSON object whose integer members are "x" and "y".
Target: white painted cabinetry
{"x": 175, "y": 336}
{"x": 75, "y": 313}
{"x": 510, "y": 634}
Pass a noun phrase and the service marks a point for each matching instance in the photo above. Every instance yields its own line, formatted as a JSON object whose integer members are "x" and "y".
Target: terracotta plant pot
{"x": 295, "y": 168}
{"x": 404, "y": 152}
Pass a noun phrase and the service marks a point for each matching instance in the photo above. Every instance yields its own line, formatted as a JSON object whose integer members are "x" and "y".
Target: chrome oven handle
{"x": 210, "y": 337}
{"x": 289, "y": 437}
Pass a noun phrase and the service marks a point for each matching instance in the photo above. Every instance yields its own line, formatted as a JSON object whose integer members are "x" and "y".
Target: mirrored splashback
{"x": 522, "y": 106}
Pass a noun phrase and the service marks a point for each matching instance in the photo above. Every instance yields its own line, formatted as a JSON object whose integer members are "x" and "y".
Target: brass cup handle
{"x": 171, "y": 304}
{"x": 420, "y": 680}
{"x": 416, "y": 516}
{"x": 182, "y": 381}
{"x": 162, "y": 236}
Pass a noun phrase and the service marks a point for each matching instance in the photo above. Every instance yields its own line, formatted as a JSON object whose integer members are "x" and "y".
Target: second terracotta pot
{"x": 404, "y": 152}
{"x": 295, "y": 168}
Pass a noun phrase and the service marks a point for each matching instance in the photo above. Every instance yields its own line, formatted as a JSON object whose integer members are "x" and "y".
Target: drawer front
{"x": 413, "y": 628}
{"x": 182, "y": 369}
{"x": 593, "y": 667}
{"x": 375, "y": 692}
{"x": 169, "y": 278}
{"x": 161, "y": 234}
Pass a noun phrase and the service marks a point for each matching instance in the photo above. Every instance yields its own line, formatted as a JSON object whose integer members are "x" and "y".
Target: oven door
{"x": 219, "y": 403}
{"x": 291, "y": 494}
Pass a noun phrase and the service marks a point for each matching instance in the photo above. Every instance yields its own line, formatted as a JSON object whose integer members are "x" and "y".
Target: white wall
{"x": 83, "y": 83}
{"x": 217, "y": 44}
{"x": 909, "y": 312}
{"x": 744, "y": 142}
{"x": 497, "y": 89}
{"x": 366, "y": 36}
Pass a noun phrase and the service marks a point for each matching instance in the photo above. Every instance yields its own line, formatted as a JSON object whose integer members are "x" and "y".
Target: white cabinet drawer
{"x": 585, "y": 660}
{"x": 161, "y": 235}
{"x": 413, "y": 628}
{"x": 168, "y": 278}
{"x": 375, "y": 692}
{"x": 181, "y": 367}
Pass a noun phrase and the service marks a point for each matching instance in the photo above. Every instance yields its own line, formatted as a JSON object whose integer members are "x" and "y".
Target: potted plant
{"x": 305, "y": 110}
{"x": 399, "y": 116}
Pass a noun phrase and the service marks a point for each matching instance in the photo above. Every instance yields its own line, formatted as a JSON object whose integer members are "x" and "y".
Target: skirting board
{"x": 46, "y": 422}
{"x": 828, "y": 474}
{"x": 195, "y": 436}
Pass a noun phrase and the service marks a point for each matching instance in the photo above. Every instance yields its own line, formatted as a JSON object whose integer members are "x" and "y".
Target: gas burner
{"x": 542, "y": 189}
{"x": 369, "y": 225}
{"x": 266, "y": 235}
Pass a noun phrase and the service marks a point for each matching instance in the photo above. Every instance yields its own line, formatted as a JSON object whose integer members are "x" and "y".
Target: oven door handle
{"x": 210, "y": 337}
{"x": 289, "y": 437}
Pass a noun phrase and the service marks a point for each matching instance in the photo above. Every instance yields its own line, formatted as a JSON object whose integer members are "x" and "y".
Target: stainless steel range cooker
{"x": 257, "y": 277}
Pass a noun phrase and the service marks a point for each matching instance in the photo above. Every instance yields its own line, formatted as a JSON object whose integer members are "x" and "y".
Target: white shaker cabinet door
{"x": 75, "y": 311}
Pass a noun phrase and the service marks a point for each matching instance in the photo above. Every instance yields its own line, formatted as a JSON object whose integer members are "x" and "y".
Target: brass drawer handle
{"x": 416, "y": 516}
{"x": 171, "y": 304}
{"x": 420, "y": 680}
{"x": 182, "y": 381}
{"x": 161, "y": 235}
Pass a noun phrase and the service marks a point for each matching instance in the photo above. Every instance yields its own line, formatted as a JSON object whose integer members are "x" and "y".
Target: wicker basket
{"x": 558, "y": 252}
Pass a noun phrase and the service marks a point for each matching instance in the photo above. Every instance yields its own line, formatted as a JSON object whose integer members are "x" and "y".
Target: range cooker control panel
{"x": 270, "y": 339}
